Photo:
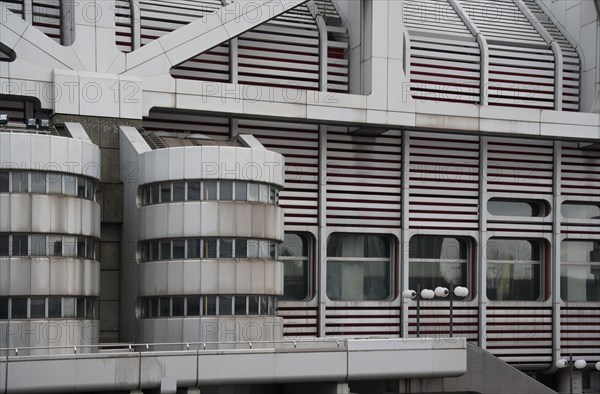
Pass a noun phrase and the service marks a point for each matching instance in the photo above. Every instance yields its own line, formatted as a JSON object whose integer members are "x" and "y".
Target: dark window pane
{"x": 38, "y": 245}
{"x": 154, "y": 246}
{"x": 165, "y": 192}
{"x": 193, "y": 306}
{"x": 165, "y": 307}
{"x": 80, "y": 308}
{"x": 81, "y": 181}
{"x": 240, "y": 305}
{"x": 38, "y": 182}
{"x": 54, "y": 245}
{"x": 358, "y": 245}
{"x": 154, "y": 194}
{"x": 179, "y": 249}
{"x": 4, "y": 245}
{"x": 253, "y": 305}
{"x": 38, "y": 308}
{"x": 20, "y": 245}
{"x": 54, "y": 307}
{"x": 272, "y": 194}
{"x": 4, "y": 181}
{"x": 193, "y": 191}
{"x": 264, "y": 305}
{"x": 154, "y": 307}
{"x": 177, "y": 306}
{"x": 81, "y": 247}
{"x": 241, "y": 191}
{"x": 194, "y": 249}
{"x": 241, "y": 248}
{"x": 225, "y": 307}
{"x": 54, "y": 183}
{"x": 90, "y": 308}
{"x": 226, "y": 191}
{"x": 178, "y": 191}
{"x": 226, "y": 248}
{"x": 19, "y": 308}
{"x": 90, "y": 189}
{"x": 19, "y": 182}
{"x": 3, "y": 308}
{"x": 210, "y": 305}
{"x": 210, "y": 190}
{"x": 210, "y": 249}
{"x": 165, "y": 250}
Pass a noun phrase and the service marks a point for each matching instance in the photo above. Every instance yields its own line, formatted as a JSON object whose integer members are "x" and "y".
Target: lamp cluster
{"x": 439, "y": 291}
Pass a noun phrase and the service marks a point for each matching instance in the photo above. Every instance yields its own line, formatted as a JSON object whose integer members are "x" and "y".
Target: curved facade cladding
{"x": 49, "y": 239}
{"x": 203, "y": 227}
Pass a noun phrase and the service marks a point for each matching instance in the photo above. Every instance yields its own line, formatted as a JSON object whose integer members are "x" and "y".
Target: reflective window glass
{"x": 70, "y": 185}
{"x": 54, "y": 245}
{"x": 210, "y": 190}
{"x": 165, "y": 250}
{"x": 194, "y": 191}
{"x": 178, "y": 191}
{"x": 293, "y": 253}
{"x": 19, "y": 308}
{"x": 20, "y": 182}
{"x": 4, "y": 245}
{"x": 193, "y": 306}
{"x": 241, "y": 191}
{"x": 177, "y": 306}
{"x": 19, "y": 245}
{"x": 253, "y": 192}
{"x": 240, "y": 305}
{"x": 80, "y": 308}
{"x": 225, "y": 248}
{"x": 179, "y": 249}
{"x": 580, "y": 210}
{"x": 81, "y": 182}
{"x": 165, "y": 307}
{"x": 210, "y": 249}
{"x": 3, "y": 308}
{"x": 165, "y": 192}
{"x": 69, "y": 307}
{"x": 37, "y": 308}
{"x": 225, "y": 305}
{"x": 194, "y": 249}
{"x": 54, "y": 183}
{"x": 580, "y": 270}
{"x": 226, "y": 191}
{"x": 154, "y": 194}
{"x": 38, "y": 245}
{"x": 38, "y": 182}
{"x": 4, "y": 183}
{"x": 264, "y": 193}
{"x": 210, "y": 305}
{"x": 241, "y": 248}
{"x": 54, "y": 307}
{"x": 508, "y": 207}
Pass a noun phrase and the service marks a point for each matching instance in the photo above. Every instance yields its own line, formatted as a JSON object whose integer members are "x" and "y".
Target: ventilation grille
{"x": 298, "y": 321}
{"x": 364, "y": 320}
{"x": 298, "y": 143}
{"x": 580, "y": 332}
{"x": 123, "y": 25}
{"x": 435, "y": 320}
{"x": 161, "y": 120}
{"x": 14, "y": 109}
{"x": 521, "y": 336}
{"x": 46, "y": 17}
{"x": 363, "y": 179}
{"x": 444, "y": 181}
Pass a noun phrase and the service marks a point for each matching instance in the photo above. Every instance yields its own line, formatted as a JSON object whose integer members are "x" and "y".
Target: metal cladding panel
{"x": 298, "y": 143}
{"x": 444, "y": 181}
{"x": 520, "y": 335}
{"x": 364, "y": 320}
{"x": 580, "y": 331}
{"x": 435, "y": 317}
{"x": 364, "y": 177}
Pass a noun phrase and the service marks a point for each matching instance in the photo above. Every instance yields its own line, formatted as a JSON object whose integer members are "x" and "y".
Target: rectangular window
{"x": 264, "y": 193}
{"x": 253, "y": 248}
{"x": 272, "y": 195}
{"x": 165, "y": 250}
{"x": 514, "y": 270}
{"x": 225, "y": 191}
{"x": 19, "y": 308}
{"x": 69, "y": 246}
{"x": 193, "y": 306}
{"x": 165, "y": 192}
{"x": 3, "y": 306}
{"x": 241, "y": 191}
{"x": 54, "y": 183}
{"x": 81, "y": 187}
{"x": 263, "y": 253}
{"x": 294, "y": 254}
{"x": 153, "y": 307}
{"x": 19, "y": 245}
{"x": 4, "y": 176}
{"x": 54, "y": 245}
{"x": 241, "y": 248}
{"x": 194, "y": 249}
{"x": 253, "y": 192}
{"x": 210, "y": 249}
{"x": 194, "y": 191}
{"x": 178, "y": 191}
{"x": 70, "y": 185}
{"x": 240, "y": 305}
{"x": 54, "y": 307}
{"x": 4, "y": 245}
{"x": 210, "y": 305}
{"x": 89, "y": 309}
{"x": 210, "y": 190}
{"x": 38, "y": 182}
{"x": 38, "y": 245}
{"x": 38, "y": 308}
{"x": 154, "y": 194}
{"x": 90, "y": 190}
{"x": 580, "y": 270}
{"x": 69, "y": 307}
{"x": 80, "y": 307}
{"x": 154, "y": 247}
{"x": 81, "y": 247}
{"x": 438, "y": 261}
{"x": 264, "y": 305}
{"x": 19, "y": 182}
{"x": 225, "y": 305}
{"x": 165, "y": 307}
{"x": 179, "y": 249}
{"x": 253, "y": 305}
{"x": 225, "y": 248}
{"x": 359, "y": 267}
{"x": 177, "y": 306}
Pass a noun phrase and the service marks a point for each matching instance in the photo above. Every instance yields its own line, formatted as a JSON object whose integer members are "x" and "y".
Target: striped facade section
{"x": 444, "y": 56}
{"x": 571, "y": 62}
{"x": 364, "y": 179}
{"x": 520, "y": 335}
{"x": 580, "y": 331}
{"x": 14, "y": 109}
{"x": 124, "y": 25}
{"x": 363, "y": 320}
{"x": 212, "y": 65}
{"x": 337, "y": 50}
{"x": 299, "y": 144}
{"x": 522, "y": 167}
{"x": 46, "y": 17}
{"x": 164, "y": 120}
{"x": 444, "y": 182}
{"x": 298, "y": 321}
{"x": 435, "y": 320}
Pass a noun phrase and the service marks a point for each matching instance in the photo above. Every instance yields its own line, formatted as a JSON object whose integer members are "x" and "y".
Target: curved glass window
{"x": 581, "y": 210}
{"x": 437, "y": 261}
{"x": 208, "y": 248}
{"x": 294, "y": 253}
{"x": 52, "y": 307}
{"x": 359, "y": 267}
{"x": 40, "y": 245}
{"x": 208, "y": 190}
{"x": 510, "y": 207}
{"x": 580, "y": 270}
{"x": 514, "y": 269}
{"x": 16, "y": 181}
{"x": 207, "y": 305}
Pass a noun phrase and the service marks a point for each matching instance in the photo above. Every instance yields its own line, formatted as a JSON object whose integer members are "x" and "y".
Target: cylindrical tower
{"x": 49, "y": 236}
{"x": 202, "y": 223}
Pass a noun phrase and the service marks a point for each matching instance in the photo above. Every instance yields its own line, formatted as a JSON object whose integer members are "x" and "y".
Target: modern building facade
{"x": 390, "y": 145}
